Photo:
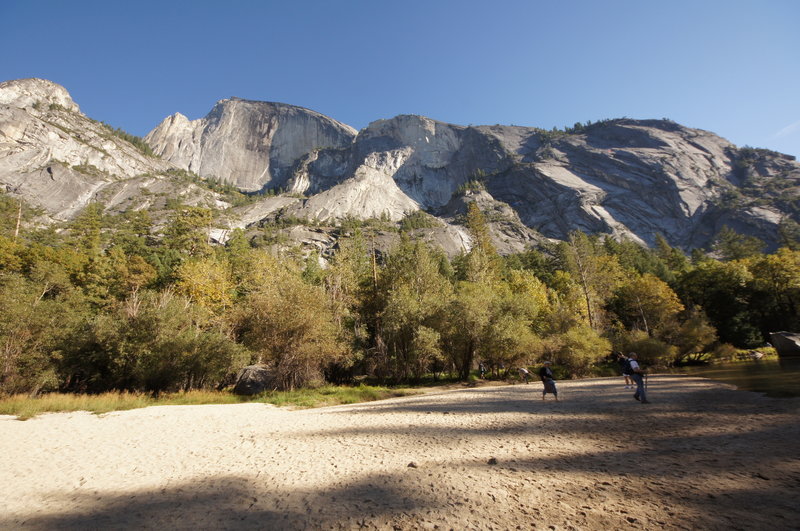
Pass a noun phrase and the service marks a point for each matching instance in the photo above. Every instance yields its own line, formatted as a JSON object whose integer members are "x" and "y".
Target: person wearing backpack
{"x": 625, "y": 367}
{"x": 638, "y": 377}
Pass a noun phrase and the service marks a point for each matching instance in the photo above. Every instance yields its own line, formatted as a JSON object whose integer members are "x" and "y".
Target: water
{"x": 776, "y": 378}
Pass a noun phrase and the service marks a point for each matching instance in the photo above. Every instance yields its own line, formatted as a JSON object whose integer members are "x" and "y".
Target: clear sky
{"x": 727, "y": 66}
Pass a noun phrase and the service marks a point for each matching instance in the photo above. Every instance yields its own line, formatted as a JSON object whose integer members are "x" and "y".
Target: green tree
{"x": 596, "y": 273}
{"x": 313, "y": 272}
{"x": 187, "y": 231}
{"x": 24, "y": 334}
{"x": 86, "y": 229}
{"x": 723, "y": 290}
{"x": 289, "y": 326}
{"x": 775, "y": 288}
{"x": 482, "y": 262}
{"x": 536, "y": 261}
{"x": 152, "y": 342}
{"x": 651, "y": 350}
{"x": 730, "y": 245}
{"x": 10, "y": 251}
{"x": 693, "y": 337}
{"x": 635, "y": 257}
{"x": 97, "y": 279}
{"x": 237, "y": 252}
{"x": 130, "y": 272}
{"x": 576, "y": 349}
{"x": 8, "y": 215}
{"x": 415, "y": 295}
{"x": 468, "y": 318}
{"x": 672, "y": 257}
{"x": 646, "y": 303}
{"x": 789, "y": 233}
{"x": 131, "y": 232}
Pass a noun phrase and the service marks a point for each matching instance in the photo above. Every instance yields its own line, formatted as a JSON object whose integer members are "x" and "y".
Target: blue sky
{"x": 731, "y": 67}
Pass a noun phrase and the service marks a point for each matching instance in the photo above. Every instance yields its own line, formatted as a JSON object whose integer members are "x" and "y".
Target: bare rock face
{"x": 33, "y": 92}
{"x": 631, "y": 179}
{"x": 249, "y": 144}
{"x": 623, "y": 178}
{"x": 57, "y": 159}
{"x": 371, "y": 192}
{"x": 440, "y": 157}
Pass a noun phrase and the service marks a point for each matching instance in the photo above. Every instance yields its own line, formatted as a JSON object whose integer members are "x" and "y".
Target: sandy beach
{"x": 702, "y": 455}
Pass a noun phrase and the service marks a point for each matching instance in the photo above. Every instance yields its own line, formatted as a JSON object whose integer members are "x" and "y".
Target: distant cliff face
{"x": 57, "y": 159}
{"x": 627, "y": 178}
{"x": 624, "y": 178}
{"x": 249, "y": 144}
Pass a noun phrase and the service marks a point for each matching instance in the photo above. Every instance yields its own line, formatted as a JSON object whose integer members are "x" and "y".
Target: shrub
{"x": 418, "y": 220}
{"x": 28, "y": 328}
{"x": 724, "y": 351}
{"x": 651, "y": 351}
{"x": 152, "y": 342}
{"x": 577, "y": 349}
{"x": 289, "y": 326}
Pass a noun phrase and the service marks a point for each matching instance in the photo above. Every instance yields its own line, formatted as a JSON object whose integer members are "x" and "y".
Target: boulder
{"x": 252, "y": 380}
{"x": 786, "y": 343}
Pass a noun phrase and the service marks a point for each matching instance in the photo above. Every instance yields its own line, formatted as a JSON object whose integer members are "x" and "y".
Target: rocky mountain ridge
{"x": 58, "y": 160}
{"x": 249, "y": 144}
{"x": 625, "y": 178}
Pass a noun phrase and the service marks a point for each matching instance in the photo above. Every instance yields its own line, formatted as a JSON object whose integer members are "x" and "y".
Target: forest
{"x": 114, "y": 302}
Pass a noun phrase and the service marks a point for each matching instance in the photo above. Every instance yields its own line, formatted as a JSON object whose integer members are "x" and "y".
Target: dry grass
{"x": 25, "y": 407}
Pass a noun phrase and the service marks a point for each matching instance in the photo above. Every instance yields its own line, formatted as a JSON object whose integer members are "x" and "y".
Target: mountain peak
{"x": 30, "y": 92}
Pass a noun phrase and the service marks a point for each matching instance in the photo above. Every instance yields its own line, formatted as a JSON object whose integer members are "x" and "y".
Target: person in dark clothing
{"x": 638, "y": 377}
{"x": 625, "y": 368}
{"x": 547, "y": 379}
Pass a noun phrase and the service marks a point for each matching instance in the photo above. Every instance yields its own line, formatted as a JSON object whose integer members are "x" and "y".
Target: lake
{"x": 775, "y": 377}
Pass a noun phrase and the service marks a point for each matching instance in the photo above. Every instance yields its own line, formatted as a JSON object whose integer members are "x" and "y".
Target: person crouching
{"x": 547, "y": 379}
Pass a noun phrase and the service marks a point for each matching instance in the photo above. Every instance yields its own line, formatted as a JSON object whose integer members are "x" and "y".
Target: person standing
{"x": 625, "y": 368}
{"x": 546, "y": 374}
{"x": 524, "y": 374}
{"x": 638, "y": 377}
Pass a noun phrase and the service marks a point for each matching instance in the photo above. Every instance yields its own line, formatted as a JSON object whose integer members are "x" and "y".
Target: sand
{"x": 702, "y": 455}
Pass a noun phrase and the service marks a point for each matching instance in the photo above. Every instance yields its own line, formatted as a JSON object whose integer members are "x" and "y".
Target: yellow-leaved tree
{"x": 207, "y": 283}
{"x": 289, "y": 326}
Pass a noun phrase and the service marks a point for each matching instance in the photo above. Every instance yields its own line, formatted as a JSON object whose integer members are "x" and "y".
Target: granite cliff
{"x": 250, "y": 144}
{"x": 59, "y": 160}
{"x": 624, "y": 178}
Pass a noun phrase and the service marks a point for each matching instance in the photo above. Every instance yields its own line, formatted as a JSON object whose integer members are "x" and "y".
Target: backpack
{"x": 626, "y": 367}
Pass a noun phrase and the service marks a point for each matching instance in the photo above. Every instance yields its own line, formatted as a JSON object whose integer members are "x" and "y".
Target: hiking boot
{"x": 637, "y": 398}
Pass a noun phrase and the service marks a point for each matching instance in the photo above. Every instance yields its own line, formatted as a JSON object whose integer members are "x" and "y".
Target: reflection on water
{"x": 777, "y": 378}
